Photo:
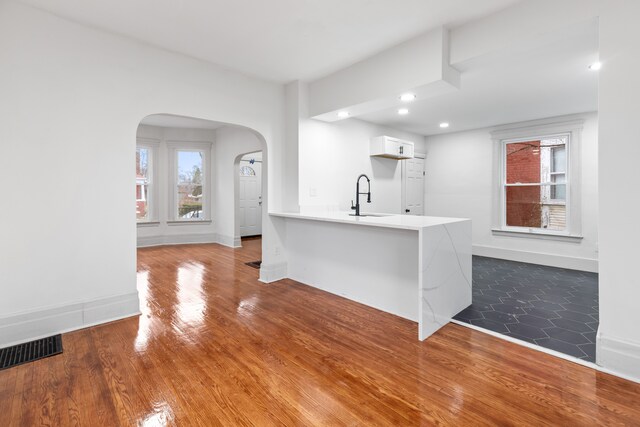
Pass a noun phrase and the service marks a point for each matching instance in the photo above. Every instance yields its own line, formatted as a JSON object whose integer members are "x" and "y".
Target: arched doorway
{"x": 187, "y": 175}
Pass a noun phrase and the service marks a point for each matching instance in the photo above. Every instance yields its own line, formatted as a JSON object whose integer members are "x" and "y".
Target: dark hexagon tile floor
{"x": 551, "y": 307}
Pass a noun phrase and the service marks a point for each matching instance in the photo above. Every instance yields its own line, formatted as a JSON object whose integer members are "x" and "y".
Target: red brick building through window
{"x": 523, "y": 166}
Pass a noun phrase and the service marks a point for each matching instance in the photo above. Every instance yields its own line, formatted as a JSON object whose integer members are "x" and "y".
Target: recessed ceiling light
{"x": 343, "y": 114}
{"x": 403, "y": 111}
{"x": 407, "y": 97}
{"x": 595, "y": 66}
{"x": 444, "y": 125}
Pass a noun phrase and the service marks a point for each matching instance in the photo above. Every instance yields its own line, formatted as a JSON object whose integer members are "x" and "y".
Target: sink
{"x": 372, "y": 215}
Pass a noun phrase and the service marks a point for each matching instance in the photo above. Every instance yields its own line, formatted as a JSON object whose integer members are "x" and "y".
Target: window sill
{"x": 537, "y": 235}
{"x": 148, "y": 223}
{"x": 190, "y": 222}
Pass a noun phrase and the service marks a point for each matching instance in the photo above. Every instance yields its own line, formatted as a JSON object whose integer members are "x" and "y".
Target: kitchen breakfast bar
{"x": 416, "y": 267}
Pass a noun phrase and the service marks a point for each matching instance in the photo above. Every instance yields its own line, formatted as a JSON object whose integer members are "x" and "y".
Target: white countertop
{"x": 405, "y": 222}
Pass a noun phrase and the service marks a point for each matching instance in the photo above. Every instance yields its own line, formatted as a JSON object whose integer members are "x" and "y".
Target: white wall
{"x": 72, "y": 99}
{"x": 460, "y": 172}
{"x": 332, "y": 155}
{"x": 231, "y": 144}
{"x": 295, "y": 108}
{"x": 619, "y": 197}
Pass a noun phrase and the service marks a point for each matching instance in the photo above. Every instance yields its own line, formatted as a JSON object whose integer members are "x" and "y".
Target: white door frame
{"x": 403, "y": 176}
{"x": 236, "y": 214}
{"x": 257, "y": 165}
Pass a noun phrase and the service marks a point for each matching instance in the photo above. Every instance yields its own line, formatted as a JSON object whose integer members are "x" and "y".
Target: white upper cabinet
{"x": 391, "y": 148}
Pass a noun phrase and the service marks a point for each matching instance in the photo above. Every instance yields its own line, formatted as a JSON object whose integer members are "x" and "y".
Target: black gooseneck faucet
{"x": 358, "y": 193}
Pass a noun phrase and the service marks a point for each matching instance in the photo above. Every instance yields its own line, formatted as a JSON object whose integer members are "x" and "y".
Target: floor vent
{"x": 30, "y": 351}
{"x": 254, "y": 264}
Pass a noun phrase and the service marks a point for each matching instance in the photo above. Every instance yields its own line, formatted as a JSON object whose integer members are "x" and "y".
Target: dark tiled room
{"x": 551, "y": 307}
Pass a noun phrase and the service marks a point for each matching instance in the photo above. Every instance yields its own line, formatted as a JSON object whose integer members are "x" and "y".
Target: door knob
{"x": 407, "y": 210}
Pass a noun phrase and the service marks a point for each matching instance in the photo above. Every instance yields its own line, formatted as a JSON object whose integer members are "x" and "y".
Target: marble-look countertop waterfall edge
{"x": 404, "y": 222}
{"x": 442, "y": 281}
{"x": 445, "y": 274}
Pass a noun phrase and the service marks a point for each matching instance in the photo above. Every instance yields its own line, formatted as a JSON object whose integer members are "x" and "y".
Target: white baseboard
{"x": 273, "y": 272}
{"x": 552, "y": 260}
{"x": 178, "y": 239}
{"x": 618, "y": 356}
{"x": 230, "y": 241}
{"x": 186, "y": 239}
{"x": 28, "y": 326}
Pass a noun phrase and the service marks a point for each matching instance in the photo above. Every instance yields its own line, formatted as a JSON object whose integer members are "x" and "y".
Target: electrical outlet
{"x": 313, "y": 192}
{"x": 277, "y": 250}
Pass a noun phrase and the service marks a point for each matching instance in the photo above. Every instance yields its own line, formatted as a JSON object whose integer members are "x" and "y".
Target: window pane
{"x": 524, "y": 208}
{"x": 190, "y": 201}
{"x": 142, "y": 204}
{"x": 142, "y": 183}
{"x": 530, "y": 207}
{"x": 142, "y": 163}
{"x": 559, "y": 192}
{"x": 189, "y": 185}
{"x": 247, "y": 171}
{"x": 559, "y": 159}
{"x": 190, "y": 167}
{"x": 523, "y": 162}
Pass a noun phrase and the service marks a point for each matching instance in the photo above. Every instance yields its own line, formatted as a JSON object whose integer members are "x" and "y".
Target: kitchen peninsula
{"x": 415, "y": 267}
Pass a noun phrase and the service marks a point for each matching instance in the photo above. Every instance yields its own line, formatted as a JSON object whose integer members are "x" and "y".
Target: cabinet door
{"x": 392, "y": 147}
{"x": 407, "y": 150}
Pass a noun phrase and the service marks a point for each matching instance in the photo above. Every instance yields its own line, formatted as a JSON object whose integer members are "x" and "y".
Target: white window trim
{"x": 532, "y": 131}
{"x": 153, "y": 145}
{"x": 205, "y": 147}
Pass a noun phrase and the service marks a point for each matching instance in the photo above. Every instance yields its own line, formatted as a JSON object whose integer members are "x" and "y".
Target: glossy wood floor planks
{"x": 214, "y": 346}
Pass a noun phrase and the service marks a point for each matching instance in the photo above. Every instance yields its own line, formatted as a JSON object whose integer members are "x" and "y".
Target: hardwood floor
{"x": 216, "y": 347}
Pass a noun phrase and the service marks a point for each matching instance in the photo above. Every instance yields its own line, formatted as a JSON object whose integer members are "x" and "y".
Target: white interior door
{"x": 250, "y": 198}
{"x": 413, "y": 186}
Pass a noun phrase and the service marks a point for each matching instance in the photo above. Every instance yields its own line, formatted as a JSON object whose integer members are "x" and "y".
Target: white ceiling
{"x": 279, "y": 40}
{"x": 284, "y": 40}
{"x": 550, "y": 80}
{"x": 171, "y": 121}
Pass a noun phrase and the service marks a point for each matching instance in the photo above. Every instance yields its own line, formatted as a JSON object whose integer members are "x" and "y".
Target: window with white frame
{"x": 190, "y": 187}
{"x": 535, "y": 183}
{"x": 143, "y": 183}
{"x": 538, "y": 191}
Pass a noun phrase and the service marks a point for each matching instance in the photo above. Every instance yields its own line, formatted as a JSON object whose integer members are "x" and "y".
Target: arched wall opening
{"x": 187, "y": 173}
